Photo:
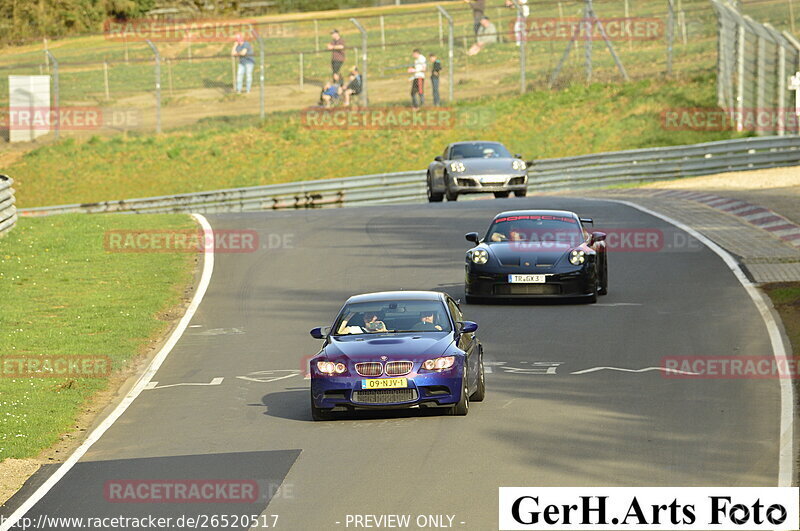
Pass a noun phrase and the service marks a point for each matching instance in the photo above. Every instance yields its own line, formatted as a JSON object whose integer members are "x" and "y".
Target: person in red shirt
{"x": 337, "y": 48}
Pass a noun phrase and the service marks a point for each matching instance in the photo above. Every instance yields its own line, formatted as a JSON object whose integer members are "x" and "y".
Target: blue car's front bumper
{"x": 424, "y": 390}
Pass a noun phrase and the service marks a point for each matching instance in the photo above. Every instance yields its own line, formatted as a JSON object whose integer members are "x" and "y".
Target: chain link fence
{"x": 754, "y": 63}
{"x": 118, "y": 82}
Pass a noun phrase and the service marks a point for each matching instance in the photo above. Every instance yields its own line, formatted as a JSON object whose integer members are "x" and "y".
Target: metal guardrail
{"x": 8, "y": 212}
{"x": 585, "y": 171}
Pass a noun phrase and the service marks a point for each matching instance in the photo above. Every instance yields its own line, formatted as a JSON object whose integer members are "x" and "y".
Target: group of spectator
{"x": 335, "y": 91}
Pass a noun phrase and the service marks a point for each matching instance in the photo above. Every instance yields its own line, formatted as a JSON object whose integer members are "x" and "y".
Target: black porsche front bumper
{"x": 572, "y": 284}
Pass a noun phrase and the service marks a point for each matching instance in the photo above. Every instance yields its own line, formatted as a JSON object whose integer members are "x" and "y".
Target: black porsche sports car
{"x": 476, "y": 167}
{"x": 537, "y": 253}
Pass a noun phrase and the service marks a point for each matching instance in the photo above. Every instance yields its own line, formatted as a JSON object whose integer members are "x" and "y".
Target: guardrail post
{"x": 56, "y": 96}
{"x": 364, "y": 94}
{"x": 450, "y": 52}
{"x": 158, "y": 84}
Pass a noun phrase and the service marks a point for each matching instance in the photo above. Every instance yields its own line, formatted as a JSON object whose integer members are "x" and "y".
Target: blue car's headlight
{"x": 439, "y": 364}
{"x": 479, "y": 256}
{"x": 518, "y": 164}
{"x": 577, "y": 257}
{"x": 330, "y": 368}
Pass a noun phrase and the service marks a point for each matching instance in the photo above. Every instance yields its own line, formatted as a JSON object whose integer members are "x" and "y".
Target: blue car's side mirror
{"x": 320, "y": 332}
{"x": 467, "y": 327}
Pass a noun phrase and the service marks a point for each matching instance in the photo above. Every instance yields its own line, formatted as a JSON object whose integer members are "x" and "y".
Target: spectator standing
{"x": 244, "y": 51}
{"x": 487, "y": 34}
{"x": 418, "y": 79}
{"x": 436, "y": 71}
{"x": 337, "y": 48}
{"x": 521, "y": 23}
{"x": 478, "y": 12}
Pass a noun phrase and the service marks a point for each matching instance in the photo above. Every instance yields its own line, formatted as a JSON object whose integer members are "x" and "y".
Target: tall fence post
{"x": 262, "y": 110}
{"x": 450, "y": 53}
{"x": 740, "y": 51}
{"x": 158, "y": 84}
{"x": 670, "y": 34}
{"x": 56, "y": 95}
{"x": 364, "y": 93}
{"x": 523, "y": 45}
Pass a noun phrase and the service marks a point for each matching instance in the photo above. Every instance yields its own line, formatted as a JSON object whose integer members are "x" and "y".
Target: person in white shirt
{"x": 521, "y": 24}
{"x": 418, "y": 79}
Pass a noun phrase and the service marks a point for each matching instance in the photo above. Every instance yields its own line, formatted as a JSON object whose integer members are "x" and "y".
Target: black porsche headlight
{"x": 479, "y": 256}
{"x": 577, "y": 257}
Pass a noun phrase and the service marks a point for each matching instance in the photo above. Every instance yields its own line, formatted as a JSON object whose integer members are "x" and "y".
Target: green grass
{"x": 63, "y": 294}
{"x": 235, "y": 152}
{"x": 786, "y": 298}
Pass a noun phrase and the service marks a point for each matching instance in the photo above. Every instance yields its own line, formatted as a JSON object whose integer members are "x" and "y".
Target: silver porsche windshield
{"x": 389, "y": 317}
{"x": 479, "y": 150}
{"x": 536, "y": 228}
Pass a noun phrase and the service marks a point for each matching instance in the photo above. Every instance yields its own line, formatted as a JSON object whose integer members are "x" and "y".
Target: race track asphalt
{"x": 541, "y": 425}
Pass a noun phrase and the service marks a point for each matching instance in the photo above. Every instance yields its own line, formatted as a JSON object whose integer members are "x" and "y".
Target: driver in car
{"x": 426, "y": 323}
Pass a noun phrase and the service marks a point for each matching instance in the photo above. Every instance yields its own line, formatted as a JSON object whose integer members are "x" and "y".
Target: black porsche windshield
{"x": 536, "y": 228}
{"x": 479, "y": 150}
{"x": 392, "y": 317}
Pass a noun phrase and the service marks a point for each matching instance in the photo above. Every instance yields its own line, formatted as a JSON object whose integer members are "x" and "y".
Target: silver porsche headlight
{"x": 577, "y": 257}
{"x": 479, "y": 256}
{"x": 458, "y": 167}
{"x": 518, "y": 164}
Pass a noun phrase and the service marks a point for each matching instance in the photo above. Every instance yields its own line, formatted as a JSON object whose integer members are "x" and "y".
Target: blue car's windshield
{"x": 479, "y": 150}
{"x": 536, "y": 228}
{"x": 392, "y": 317}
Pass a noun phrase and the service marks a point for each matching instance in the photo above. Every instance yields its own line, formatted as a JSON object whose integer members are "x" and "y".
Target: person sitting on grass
{"x": 353, "y": 86}
{"x": 332, "y": 91}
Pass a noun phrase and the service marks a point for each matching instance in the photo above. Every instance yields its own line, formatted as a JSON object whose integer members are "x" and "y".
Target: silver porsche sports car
{"x": 476, "y": 167}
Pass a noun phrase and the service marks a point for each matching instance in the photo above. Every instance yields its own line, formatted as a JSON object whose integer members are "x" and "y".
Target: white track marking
{"x": 621, "y": 369}
{"x": 780, "y": 349}
{"x": 154, "y": 385}
{"x": 155, "y": 364}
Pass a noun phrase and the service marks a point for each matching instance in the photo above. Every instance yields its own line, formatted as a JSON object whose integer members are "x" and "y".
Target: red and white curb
{"x": 755, "y": 215}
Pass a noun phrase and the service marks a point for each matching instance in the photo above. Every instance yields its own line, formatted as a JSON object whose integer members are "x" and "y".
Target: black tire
{"x": 500, "y": 195}
{"x": 318, "y": 414}
{"x": 593, "y": 297}
{"x": 469, "y": 299}
{"x": 451, "y": 196}
{"x": 603, "y": 289}
{"x": 480, "y": 392}
{"x": 520, "y": 193}
{"x": 462, "y": 406}
{"x": 432, "y": 197}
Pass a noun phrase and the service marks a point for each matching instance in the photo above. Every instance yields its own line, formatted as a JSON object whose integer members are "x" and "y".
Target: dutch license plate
{"x": 385, "y": 383}
{"x": 527, "y": 279}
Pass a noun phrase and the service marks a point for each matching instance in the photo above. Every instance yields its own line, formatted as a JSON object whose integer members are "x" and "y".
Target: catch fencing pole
{"x": 364, "y": 95}
{"x": 158, "y": 84}
{"x": 523, "y": 84}
{"x": 56, "y": 97}
{"x": 450, "y": 54}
